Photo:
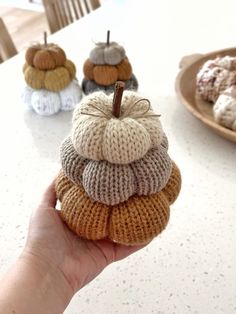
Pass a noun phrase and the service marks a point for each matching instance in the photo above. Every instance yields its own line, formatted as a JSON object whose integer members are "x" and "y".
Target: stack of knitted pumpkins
{"x": 117, "y": 179}
{"x": 107, "y": 63}
{"x": 50, "y": 77}
{"x": 216, "y": 83}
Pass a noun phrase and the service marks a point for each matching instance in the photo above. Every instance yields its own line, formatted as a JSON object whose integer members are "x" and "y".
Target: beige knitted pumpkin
{"x": 98, "y": 135}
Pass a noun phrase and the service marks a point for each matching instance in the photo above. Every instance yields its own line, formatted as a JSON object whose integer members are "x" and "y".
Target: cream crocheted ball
{"x": 224, "y": 109}
{"x": 215, "y": 76}
{"x": 98, "y": 135}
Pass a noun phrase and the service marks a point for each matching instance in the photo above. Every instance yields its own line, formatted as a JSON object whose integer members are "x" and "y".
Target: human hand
{"x": 76, "y": 260}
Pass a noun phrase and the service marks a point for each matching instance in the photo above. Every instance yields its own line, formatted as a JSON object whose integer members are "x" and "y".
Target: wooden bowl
{"x": 186, "y": 90}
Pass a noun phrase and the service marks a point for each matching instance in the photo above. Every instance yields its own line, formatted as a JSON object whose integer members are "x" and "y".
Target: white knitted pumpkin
{"x": 98, "y": 135}
{"x": 224, "y": 109}
{"x": 46, "y": 103}
{"x": 107, "y": 54}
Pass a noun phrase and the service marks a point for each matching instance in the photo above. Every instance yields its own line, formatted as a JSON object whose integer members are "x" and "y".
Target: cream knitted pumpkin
{"x": 224, "y": 109}
{"x": 98, "y": 135}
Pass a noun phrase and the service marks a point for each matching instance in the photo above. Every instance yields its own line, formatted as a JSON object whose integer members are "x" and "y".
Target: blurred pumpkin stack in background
{"x": 117, "y": 179}
{"x": 107, "y": 64}
{"x": 51, "y": 80}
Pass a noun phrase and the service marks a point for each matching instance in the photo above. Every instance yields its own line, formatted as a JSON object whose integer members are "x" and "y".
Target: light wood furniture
{"x": 7, "y": 47}
{"x": 61, "y": 13}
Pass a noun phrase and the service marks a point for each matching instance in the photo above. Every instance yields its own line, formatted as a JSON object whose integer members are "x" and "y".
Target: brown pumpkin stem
{"x": 116, "y": 104}
{"x": 108, "y": 38}
{"x": 45, "y": 38}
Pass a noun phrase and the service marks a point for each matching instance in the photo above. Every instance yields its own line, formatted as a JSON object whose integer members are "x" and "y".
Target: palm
{"x": 50, "y": 239}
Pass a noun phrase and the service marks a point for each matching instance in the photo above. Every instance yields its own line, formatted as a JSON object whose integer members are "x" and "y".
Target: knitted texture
{"x": 45, "y": 57}
{"x": 133, "y": 222}
{"x": 107, "y": 74}
{"x": 52, "y": 80}
{"x": 97, "y": 135}
{"x": 47, "y": 103}
{"x": 215, "y": 76}
{"x": 107, "y": 54}
{"x": 224, "y": 109}
{"x": 111, "y": 183}
{"x": 89, "y": 86}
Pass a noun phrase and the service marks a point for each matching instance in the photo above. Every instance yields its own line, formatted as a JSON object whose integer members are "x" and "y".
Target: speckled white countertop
{"x": 191, "y": 267}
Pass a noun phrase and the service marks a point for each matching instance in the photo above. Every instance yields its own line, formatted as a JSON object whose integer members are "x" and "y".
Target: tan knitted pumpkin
{"x": 97, "y": 135}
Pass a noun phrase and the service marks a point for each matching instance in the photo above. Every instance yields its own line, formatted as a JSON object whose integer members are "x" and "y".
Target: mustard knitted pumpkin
{"x": 117, "y": 180}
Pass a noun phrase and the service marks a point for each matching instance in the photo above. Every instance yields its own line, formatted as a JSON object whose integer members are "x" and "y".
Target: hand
{"x": 52, "y": 243}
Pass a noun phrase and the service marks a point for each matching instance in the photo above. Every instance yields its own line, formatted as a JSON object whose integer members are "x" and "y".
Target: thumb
{"x": 49, "y": 198}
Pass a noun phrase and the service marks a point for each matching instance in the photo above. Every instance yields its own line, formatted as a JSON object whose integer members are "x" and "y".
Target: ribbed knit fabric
{"x": 107, "y": 54}
{"x": 214, "y": 77}
{"x": 224, "y": 109}
{"x": 89, "y": 86}
{"x": 111, "y": 183}
{"x": 119, "y": 141}
{"x": 139, "y": 220}
{"x": 46, "y": 103}
{"x": 52, "y": 80}
{"x": 133, "y": 222}
{"x": 172, "y": 188}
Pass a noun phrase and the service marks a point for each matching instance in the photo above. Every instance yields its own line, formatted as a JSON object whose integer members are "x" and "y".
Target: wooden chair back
{"x": 7, "y": 47}
{"x": 61, "y": 13}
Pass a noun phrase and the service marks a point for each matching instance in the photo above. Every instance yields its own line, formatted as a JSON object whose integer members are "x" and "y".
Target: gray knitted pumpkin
{"x": 89, "y": 86}
{"x": 104, "y": 53}
{"x": 115, "y": 183}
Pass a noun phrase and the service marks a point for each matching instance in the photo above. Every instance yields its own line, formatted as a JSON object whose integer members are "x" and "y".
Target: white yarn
{"x": 26, "y": 96}
{"x": 70, "y": 96}
{"x": 224, "y": 109}
{"x": 45, "y": 103}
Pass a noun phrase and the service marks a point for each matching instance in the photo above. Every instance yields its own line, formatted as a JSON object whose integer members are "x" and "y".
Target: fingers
{"x": 49, "y": 197}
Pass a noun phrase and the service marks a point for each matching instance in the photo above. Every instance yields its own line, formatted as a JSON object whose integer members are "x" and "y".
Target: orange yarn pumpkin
{"x": 133, "y": 222}
{"x": 107, "y": 74}
{"x": 45, "y": 57}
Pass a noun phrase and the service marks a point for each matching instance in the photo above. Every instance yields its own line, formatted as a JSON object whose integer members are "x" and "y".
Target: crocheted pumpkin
{"x": 97, "y": 135}
{"x": 224, "y": 109}
{"x": 107, "y": 74}
{"x": 126, "y": 200}
{"x": 134, "y": 222}
{"x": 52, "y": 80}
{"x": 107, "y": 53}
{"x": 45, "y": 57}
{"x": 107, "y": 64}
{"x": 46, "y": 103}
{"x": 99, "y": 178}
{"x": 216, "y": 76}
{"x": 90, "y": 86}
